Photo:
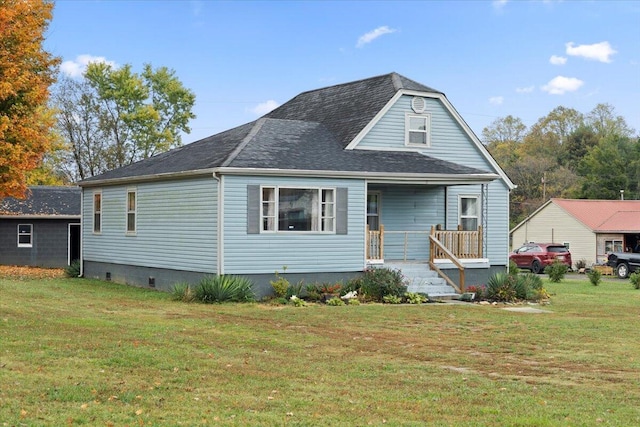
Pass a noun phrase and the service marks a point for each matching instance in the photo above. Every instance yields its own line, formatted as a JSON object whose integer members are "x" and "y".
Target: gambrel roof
{"x": 44, "y": 201}
{"x": 311, "y": 133}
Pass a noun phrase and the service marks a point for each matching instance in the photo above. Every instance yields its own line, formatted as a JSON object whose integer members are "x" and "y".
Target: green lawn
{"x": 75, "y": 351}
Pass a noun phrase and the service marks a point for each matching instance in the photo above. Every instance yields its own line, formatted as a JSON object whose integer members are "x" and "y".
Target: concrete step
{"x": 420, "y": 278}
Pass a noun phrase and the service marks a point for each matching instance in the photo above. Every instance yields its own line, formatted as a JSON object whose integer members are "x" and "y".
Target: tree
{"x": 26, "y": 72}
{"x": 608, "y": 168}
{"x": 504, "y": 130}
{"x": 115, "y": 117}
{"x": 605, "y": 123}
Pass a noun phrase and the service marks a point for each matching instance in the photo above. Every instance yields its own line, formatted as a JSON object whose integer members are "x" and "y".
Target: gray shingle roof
{"x": 309, "y": 132}
{"x": 44, "y": 201}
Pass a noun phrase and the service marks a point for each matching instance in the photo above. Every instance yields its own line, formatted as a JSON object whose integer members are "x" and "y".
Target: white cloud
{"x": 597, "y": 52}
{"x": 496, "y": 100}
{"x": 560, "y": 84}
{"x": 372, "y": 35}
{"x": 527, "y": 89}
{"x": 264, "y": 107}
{"x": 77, "y": 67}
{"x": 499, "y": 4}
{"x": 557, "y": 60}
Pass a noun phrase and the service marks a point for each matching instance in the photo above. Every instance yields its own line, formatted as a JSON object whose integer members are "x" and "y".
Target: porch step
{"x": 421, "y": 279}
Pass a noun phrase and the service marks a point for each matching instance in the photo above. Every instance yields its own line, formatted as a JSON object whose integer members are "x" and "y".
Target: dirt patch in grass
{"x": 27, "y": 273}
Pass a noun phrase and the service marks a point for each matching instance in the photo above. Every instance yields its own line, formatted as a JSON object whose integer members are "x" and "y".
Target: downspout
{"x": 81, "y": 274}
{"x": 220, "y": 235}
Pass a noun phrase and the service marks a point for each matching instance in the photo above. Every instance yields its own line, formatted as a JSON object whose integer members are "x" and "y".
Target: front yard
{"x": 76, "y": 351}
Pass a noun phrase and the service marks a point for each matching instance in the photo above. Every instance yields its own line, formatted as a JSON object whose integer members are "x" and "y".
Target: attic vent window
{"x": 418, "y": 104}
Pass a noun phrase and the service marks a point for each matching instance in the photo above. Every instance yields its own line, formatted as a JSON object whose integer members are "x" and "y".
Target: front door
{"x": 74, "y": 243}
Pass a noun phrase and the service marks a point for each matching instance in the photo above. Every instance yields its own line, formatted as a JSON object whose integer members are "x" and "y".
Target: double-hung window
{"x": 469, "y": 210}
{"x": 298, "y": 209}
{"x": 131, "y": 211}
{"x": 97, "y": 212}
{"x": 417, "y": 130}
{"x": 25, "y": 235}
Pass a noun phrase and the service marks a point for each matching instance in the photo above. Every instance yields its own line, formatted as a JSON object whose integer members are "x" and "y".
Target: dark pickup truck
{"x": 624, "y": 263}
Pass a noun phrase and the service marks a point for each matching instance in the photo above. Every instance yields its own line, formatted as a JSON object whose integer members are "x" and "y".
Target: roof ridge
{"x": 397, "y": 82}
{"x": 256, "y": 128}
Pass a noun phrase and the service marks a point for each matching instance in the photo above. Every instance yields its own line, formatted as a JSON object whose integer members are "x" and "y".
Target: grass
{"x": 85, "y": 352}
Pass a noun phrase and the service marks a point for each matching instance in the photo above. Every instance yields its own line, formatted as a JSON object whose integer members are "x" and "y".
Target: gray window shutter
{"x": 253, "y": 209}
{"x": 342, "y": 210}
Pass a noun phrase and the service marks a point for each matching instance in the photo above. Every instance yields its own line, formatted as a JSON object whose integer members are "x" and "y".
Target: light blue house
{"x": 381, "y": 171}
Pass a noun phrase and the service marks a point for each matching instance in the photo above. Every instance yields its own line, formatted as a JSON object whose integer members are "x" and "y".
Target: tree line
{"x": 566, "y": 154}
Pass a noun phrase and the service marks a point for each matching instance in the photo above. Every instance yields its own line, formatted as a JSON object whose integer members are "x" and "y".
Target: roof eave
{"x": 378, "y": 177}
{"x": 36, "y": 216}
{"x": 147, "y": 178}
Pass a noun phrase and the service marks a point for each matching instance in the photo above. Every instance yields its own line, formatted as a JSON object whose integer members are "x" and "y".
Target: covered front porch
{"x": 443, "y": 251}
{"x": 441, "y": 227}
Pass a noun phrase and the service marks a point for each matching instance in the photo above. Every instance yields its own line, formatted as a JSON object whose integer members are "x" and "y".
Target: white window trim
{"x": 478, "y": 215}
{"x": 134, "y": 212}
{"x": 25, "y": 245}
{"x": 407, "y": 130}
{"x": 276, "y": 195}
{"x": 93, "y": 211}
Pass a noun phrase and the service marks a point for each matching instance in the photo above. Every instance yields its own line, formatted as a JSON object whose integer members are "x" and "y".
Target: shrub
{"x": 298, "y": 302}
{"x": 335, "y": 301}
{"x": 581, "y": 263}
{"x": 513, "y": 267}
{"x": 73, "y": 269}
{"x": 501, "y": 287}
{"x": 479, "y": 290}
{"x": 594, "y": 277}
{"x": 391, "y": 299}
{"x": 379, "y": 282}
{"x": 224, "y": 288}
{"x": 353, "y": 301}
{"x": 182, "y": 292}
{"x": 313, "y": 292}
{"x": 280, "y": 285}
{"x": 415, "y": 298}
{"x": 635, "y": 280}
{"x": 556, "y": 271}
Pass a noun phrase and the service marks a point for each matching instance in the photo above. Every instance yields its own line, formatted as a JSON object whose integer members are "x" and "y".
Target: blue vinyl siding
{"x": 300, "y": 253}
{"x": 449, "y": 141}
{"x": 176, "y": 226}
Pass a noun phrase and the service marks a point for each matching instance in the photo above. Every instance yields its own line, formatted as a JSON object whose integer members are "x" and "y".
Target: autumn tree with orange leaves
{"x": 26, "y": 72}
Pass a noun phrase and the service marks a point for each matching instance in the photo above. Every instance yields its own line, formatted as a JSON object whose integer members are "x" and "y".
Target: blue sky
{"x": 490, "y": 58}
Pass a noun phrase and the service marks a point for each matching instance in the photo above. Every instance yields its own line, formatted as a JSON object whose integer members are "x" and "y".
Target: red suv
{"x": 536, "y": 256}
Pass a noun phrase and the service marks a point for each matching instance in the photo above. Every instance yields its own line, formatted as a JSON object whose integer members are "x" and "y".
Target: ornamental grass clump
{"x": 182, "y": 292}
{"x": 501, "y": 287}
{"x": 224, "y": 288}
